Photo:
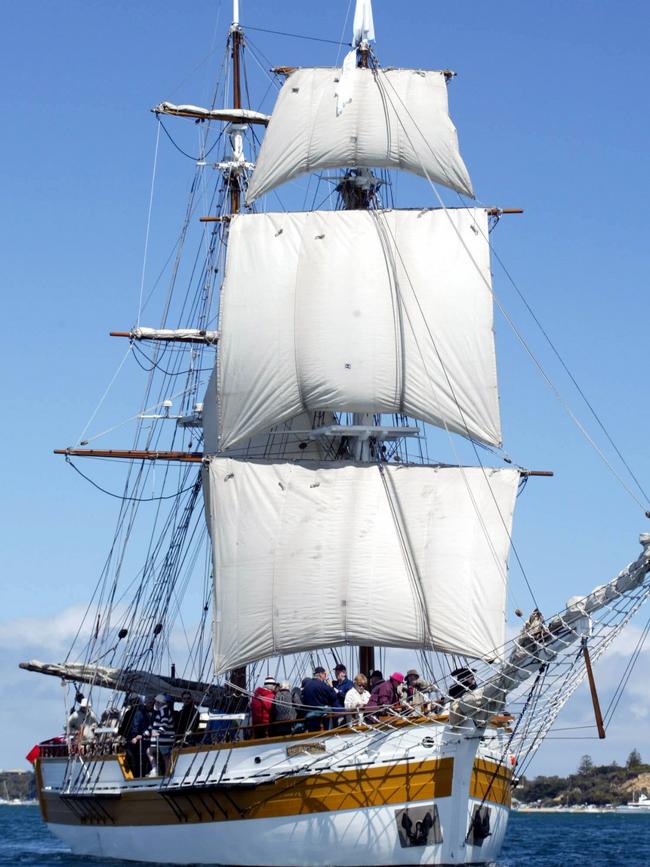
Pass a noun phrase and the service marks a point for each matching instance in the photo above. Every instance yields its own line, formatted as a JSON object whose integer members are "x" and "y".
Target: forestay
{"x": 324, "y": 554}
{"x": 395, "y": 119}
{"x": 358, "y": 311}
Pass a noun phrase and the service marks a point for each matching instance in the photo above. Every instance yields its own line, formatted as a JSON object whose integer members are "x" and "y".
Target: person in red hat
{"x": 386, "y": 693}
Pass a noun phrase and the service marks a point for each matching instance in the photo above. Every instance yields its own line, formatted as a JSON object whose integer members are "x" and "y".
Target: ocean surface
{"x": 533, "y": 840}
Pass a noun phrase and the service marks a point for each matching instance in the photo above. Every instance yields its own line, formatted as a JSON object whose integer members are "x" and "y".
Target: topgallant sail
{"x": 342, "y": 335}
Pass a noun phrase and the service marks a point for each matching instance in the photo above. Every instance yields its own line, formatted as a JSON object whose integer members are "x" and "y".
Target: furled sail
{"x": 358, "y": 311}
{"x": 324, "y": 554}
{"x": 395, "y": 119}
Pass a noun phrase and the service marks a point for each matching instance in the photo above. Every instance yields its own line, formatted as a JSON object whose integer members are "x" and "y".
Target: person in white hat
{"x": 80, "y": 727}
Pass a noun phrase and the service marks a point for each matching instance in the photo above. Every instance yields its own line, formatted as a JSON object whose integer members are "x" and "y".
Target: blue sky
{"x": 550, "y": 104}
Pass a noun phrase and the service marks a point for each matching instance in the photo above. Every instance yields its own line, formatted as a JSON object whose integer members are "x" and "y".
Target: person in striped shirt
{"x": 160, "y": 736}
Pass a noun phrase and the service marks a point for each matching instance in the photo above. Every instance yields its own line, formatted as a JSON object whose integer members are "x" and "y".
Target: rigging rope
{"x": 146, "y": 236}
{"x": 508, "y": 319}
{"x": 294, "y": 35}
{"x": 180, "y": 149}
{"x": 122, "y": 496}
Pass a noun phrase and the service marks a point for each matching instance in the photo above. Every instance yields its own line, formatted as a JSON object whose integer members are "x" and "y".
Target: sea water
{"x": 533, "y": 840}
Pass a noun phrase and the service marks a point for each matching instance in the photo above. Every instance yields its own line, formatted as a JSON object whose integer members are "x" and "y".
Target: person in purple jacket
{"x": 385, "y": 693}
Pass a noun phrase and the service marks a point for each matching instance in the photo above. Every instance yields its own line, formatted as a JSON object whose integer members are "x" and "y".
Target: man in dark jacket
{"x": 135, "y": 722}
{"x": 342, "y": 684}
{"x": 319, "y": 697}
{"x": 186, "y": 720}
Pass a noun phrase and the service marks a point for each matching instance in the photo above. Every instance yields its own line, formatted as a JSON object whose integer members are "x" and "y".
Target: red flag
{"x": 35, "y": 751}
{"x": 33, "y": 754}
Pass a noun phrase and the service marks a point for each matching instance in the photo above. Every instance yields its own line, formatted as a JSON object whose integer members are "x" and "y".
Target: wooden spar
{"x": 592, "y": 689}
{"x": 544, "y": 473}
{"x": 223, "y": 219}
{"x": 283, "y": 70}
{"x": 497, "y": 212}
{"x": 128, "y": 454}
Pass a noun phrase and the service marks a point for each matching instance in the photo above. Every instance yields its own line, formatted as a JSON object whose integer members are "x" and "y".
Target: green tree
{"x": 633, "y": 760}
{"x": 586, "y": 765}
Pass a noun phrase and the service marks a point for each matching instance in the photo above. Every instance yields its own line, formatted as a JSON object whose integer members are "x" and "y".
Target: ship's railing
{"x": 107, "y": 742}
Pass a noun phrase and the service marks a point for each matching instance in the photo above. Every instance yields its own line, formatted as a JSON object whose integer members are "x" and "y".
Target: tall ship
{"x": 293, "y": 382}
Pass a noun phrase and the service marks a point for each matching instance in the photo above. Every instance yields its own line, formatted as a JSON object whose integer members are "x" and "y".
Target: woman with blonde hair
{"x": 357, "y": 697}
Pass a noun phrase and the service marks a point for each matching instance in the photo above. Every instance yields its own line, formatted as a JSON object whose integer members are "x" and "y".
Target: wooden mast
{"x": 237, "y": 675}
{"x": 360, "y": 197}
{"x": 235, "y": 35}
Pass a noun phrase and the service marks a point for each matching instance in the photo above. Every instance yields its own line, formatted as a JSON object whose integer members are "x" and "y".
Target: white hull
{"x": 263, "y": 803}
{"x": 346, "y": 838}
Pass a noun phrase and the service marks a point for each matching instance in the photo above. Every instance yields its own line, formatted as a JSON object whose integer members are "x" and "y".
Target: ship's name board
{"x": 296, "y": 749}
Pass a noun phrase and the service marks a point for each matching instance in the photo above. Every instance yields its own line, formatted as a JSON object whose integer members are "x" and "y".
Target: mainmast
{"x": 358, "y": 191}
{"x": 236, "y": 130}
{"x": 237, "y": 675}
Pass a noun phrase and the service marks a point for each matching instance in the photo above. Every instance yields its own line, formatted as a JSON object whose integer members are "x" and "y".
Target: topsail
{"x": 395, "y": 119}
{"x": 358, "y": 311}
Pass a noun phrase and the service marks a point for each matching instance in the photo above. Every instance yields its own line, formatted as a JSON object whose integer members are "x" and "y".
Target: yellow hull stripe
{"x": 357, "y": 789}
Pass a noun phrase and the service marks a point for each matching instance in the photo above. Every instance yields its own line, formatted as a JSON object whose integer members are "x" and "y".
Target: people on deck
{"x": 463, "y": 681}
{"x": 298, "y": 703}
{"x": 160, "y": 735}
{"x": 135, "y": 722}
{"x": 186, "y": 720}
{"x": 386, "y": 692}
{"x": 357, "y": 697}
{"x": 284, "y": 712}
{"x": 80, "y": 727}
{"x": 262, "y": 707}
{"x": 342, "y": 684}
{"x": 419, "y": 692}
{"x": 319, "y": 697}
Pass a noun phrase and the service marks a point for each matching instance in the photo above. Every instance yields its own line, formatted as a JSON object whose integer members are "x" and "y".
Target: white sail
{"x": 290, "y": 440}
{"x": 324, "y": 554}
{"x": 358, "y": 311}
{"x": 395, "y": 119}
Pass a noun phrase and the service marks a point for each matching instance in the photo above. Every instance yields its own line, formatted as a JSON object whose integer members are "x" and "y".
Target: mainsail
{"x": 323, "y": 554}
{"x": 396, "y": 119}
{"x": 358, "y": 311}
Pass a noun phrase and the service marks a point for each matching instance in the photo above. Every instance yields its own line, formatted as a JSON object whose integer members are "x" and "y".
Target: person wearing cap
{"x": 386, "y": 693}
{"x": 262, "y": 707}
{"x": 160, "y": 735}
{"x": 319, "y": 697}
{"x": 81, "y": 724}
{"x": 416, "y": 689}
{"x": 342, "y": 684}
